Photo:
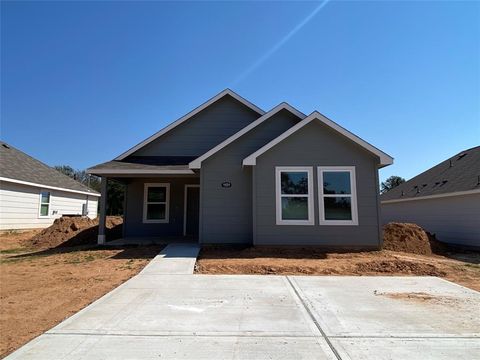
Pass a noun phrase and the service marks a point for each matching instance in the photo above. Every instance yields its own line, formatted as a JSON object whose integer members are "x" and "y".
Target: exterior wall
{"x": 317, "y": 145}
{"x": 203, "y": 131}
{"x": 227, "y": 212}
{"x": 19, "y": 206}
{"x": 454, "y": 219}
{"x": 133, "y": 223}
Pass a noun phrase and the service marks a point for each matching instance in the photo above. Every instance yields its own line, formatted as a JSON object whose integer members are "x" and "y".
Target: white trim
{"x": 309, "y": 196}
{"x": 352, "y": 195}
{"x": 188, "y": 116}
{"x": 185, "y": 206}
{"x": 40, "y": 216}
{"x": 93, "y": 193}
{"x": 458, "y": 193}
{"x": 385, "y": 159}
{"x": 142, "y": 171}
{"x": 166, "y": 202}
{"x": 197, "y": 163}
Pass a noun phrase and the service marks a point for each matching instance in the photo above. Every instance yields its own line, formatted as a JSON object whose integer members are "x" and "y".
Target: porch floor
{"x": 154, "y": 240}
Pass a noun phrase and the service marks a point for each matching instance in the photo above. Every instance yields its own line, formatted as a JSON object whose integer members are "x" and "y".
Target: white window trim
{"x": 167, "y": 203}
{"x": 40, "y": 216}
{"x": 353, "y": 195}
{"x": 278, "y": 195}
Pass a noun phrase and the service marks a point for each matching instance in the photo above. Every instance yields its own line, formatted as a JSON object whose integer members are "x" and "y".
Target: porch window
{"x": 156, "y": 203}
{"x": 44, "y": 207}
{"x": 294, "y": 195}
{"x": 337, "y": 195}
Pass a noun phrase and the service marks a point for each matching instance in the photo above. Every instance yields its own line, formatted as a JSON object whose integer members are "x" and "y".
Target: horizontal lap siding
{"x": 454, "y": 219}
{"x": 227, "y": 212}
{"x": 134, "y": 226}
{"x": 19, "y": 206}
{"x": 317, "y": 145}
{"x": 203, "y": 131}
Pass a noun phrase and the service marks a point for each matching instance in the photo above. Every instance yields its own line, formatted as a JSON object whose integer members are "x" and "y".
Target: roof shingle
{"x": 16, "y": 165}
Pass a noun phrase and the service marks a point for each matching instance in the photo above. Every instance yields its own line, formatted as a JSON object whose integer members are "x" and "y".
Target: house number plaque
{"x": 226, "y": 184}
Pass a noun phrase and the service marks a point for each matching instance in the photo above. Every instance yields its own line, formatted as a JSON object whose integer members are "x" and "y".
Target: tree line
{"x": 115, "y": 190}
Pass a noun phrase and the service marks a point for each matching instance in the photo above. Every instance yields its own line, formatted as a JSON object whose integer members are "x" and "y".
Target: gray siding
{"x": 203, "y": 131}
{"x": 454, "y": 219}
{"x": 227, "y": 212}
{"x": 134, "y": 226}
{"x": 317, "y": 145}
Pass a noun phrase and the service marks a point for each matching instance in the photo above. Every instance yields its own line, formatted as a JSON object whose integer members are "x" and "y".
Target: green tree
{"x": 115, "y": 190}
{"x": 390, "y": 183}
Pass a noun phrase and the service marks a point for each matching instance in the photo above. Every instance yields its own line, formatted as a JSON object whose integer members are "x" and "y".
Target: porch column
{"x": 103, "y": 211}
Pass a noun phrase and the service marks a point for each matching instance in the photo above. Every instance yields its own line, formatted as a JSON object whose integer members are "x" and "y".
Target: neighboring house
{"x": 445, "y": 200}
{"x": 229, "y": 172}
{"x": 33, "y": 195}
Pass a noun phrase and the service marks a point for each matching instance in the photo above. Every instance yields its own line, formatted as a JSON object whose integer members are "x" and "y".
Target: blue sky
{"x": 81, "y": 82}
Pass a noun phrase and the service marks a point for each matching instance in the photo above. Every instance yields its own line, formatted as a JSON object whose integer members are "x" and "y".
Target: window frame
{"x": 309, "y": 196}
{"x": 146, "y": 186}
{"x": 40, "y": 203}
{"x": 352, "y": 195}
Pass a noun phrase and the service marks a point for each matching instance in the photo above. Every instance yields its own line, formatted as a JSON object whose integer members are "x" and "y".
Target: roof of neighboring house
{"x": 385, "y": 159}
{"x": 458, "y": 174}
{"x": 144, "y": 165}
{"x": 18, "y": 167}
{"x": 197, "y": 163}
{"x": 226, "y": 92}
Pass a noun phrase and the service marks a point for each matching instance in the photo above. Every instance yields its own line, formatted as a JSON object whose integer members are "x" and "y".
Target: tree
{"x": 390, "y": 183}
{"x": 115, "y": 190}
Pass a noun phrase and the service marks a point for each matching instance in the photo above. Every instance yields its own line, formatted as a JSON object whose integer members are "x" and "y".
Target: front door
{"x": 192, "y": 209}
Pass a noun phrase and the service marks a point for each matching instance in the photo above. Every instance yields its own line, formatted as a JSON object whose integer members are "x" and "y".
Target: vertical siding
{"x": 227, "y": 212}
{"x": 203, "y": 131}
{"x": 317, "y": 145}
{"x": 134, "y": 226}
{"x": 19, "y": 206}
{"x": 454, "y": 219}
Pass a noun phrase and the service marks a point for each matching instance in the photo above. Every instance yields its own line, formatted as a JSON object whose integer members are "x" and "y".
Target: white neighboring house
{"x": 33, "y": 195}
{"x": 444, "y": 200}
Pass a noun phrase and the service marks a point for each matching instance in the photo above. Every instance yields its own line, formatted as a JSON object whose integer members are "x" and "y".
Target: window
{"x": 155, "y": 203}
{"x": 44, "y": 208}
{"x": 337, "y": 196}
{"x": 294, "y": 190}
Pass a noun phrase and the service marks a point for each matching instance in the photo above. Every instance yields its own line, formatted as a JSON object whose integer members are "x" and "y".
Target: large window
{"x": 337, "y": 195}
{"x": 294, "y": 190}
{"x": 155, "y": 203}
{"x": 44, "y": 207}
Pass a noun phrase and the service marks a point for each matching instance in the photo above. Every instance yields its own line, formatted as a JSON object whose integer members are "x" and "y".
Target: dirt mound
{"x": 398, "y": 267}
{"x": 73, "y": 231}
{"x": 406, "y": 237}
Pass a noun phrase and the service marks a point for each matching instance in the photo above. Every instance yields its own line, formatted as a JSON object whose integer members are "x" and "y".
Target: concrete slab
{"x": 260, "y": 317}
{"x": 177, "y": 258}
{"x": 391, "y": 306}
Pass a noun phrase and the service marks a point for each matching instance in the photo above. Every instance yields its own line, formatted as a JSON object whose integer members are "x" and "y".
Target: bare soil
{"x": 408, "y": 250}
{"x": 41, "y": 286}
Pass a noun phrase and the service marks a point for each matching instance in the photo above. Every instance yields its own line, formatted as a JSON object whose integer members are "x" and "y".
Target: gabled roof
{"x": 457, "y": 175}
{"x": 197, "y": 163}
{"x": 226, "y": 92}
{"x": 385, "y": 159}
{"x": 20, "y": 168}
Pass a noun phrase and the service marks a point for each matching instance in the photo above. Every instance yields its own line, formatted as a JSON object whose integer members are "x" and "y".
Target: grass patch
{"x": 13, "y": 251}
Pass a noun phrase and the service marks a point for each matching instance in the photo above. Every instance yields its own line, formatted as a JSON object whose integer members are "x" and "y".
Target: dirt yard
{"x": 408, "y": 250}
{"x": 41, "y": 287}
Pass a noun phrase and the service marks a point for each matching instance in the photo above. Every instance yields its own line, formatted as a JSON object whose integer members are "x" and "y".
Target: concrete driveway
{"x": 162, "y": 316}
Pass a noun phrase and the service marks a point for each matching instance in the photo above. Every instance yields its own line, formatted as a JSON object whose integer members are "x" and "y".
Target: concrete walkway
{"x": 174, "y": 259}
{"x": 165, "y": 316}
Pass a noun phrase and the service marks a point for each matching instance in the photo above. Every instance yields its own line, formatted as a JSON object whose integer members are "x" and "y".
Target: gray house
{"x": 444, "y": 200}
{"x": 229, "y": 172}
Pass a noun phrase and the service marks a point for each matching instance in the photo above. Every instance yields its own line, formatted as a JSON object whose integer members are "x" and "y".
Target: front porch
{"x": 161, "y": 204}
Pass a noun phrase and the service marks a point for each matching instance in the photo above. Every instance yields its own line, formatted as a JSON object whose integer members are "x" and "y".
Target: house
{"x": 33, "y": 195}
{"x": 445, "y": 200}
{"x": 229, "y": 172}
